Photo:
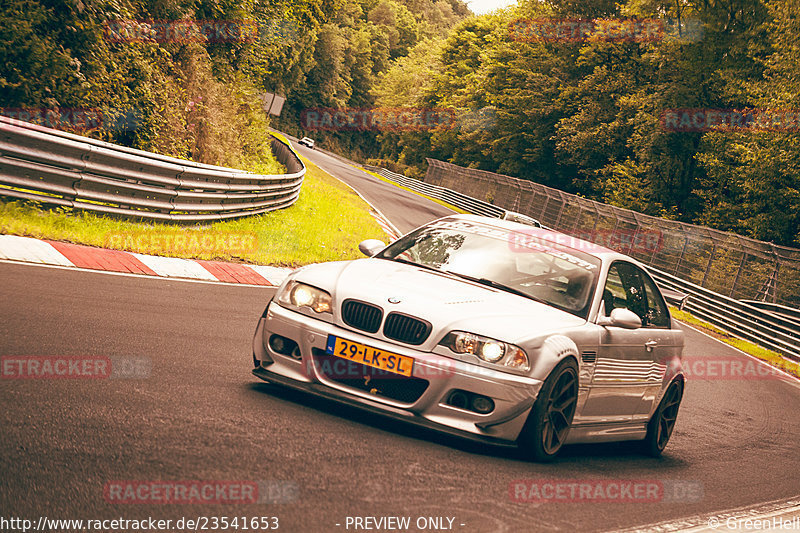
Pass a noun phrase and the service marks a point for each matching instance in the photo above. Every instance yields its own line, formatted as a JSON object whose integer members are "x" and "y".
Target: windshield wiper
{"x": 498, "y": 285}
{"x": 412, "y": 263}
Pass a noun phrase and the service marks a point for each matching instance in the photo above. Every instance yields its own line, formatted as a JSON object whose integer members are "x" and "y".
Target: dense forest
{"x": 163, "y": 79}
{"x": 597, "y": 115}
{"x": 586, "y": 114}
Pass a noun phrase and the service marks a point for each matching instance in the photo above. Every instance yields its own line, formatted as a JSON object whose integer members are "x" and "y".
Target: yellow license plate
{"x": 366, "y": 355}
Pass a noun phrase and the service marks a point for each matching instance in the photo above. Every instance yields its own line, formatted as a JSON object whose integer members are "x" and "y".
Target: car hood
{"x": 447, "y": 302}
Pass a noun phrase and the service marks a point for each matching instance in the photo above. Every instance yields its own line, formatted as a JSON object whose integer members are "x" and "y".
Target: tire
{"x": 660, "y": 427}
{"x": 550, "y": 418}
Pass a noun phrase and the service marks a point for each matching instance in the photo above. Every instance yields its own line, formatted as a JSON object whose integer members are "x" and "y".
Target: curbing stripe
{"x": 172, "y": 267}
{"x": 274, "y": 275}
{"x": 92, "y": 258}
{"x": 63, "y": 254}
{"x": 233, "y": 273}
{"x": 386, "y": 226}
{"x": 15, "y": 248}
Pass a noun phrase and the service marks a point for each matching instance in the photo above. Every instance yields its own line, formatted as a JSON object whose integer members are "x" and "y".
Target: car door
{"x": 626, "y": 369}
{"x": 667, "y": 348}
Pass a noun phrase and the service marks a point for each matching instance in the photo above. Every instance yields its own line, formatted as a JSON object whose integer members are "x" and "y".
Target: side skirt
{"x": 607, "y": 432}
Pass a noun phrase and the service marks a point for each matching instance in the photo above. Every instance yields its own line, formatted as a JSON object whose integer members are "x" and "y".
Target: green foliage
{"x": 196, "y": 98}
{"x": 751, "y": 183}
{"x": 585, "y": 116}
{"x": 340, "y": 63}
{"x": 581, "y": 116}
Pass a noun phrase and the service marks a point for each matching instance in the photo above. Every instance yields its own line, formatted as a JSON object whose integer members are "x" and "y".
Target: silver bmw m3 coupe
{"x": 487, "y": 329}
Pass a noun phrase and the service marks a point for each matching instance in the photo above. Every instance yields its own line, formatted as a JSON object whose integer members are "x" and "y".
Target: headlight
{"x": 298, "y": 294}
{"x": 489, "y": 350}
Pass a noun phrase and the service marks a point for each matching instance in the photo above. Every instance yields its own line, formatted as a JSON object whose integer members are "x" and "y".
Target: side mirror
{"x": 621, "y": 318}
{"x": 371, "y": 247}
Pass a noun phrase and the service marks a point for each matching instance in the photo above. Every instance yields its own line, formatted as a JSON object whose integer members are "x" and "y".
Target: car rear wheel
{"x": 550, "y": 419}
{"x": 660, "y": 427}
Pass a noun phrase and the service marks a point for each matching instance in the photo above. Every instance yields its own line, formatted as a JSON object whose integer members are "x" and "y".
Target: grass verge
{"x": 325, "y": 224}
{"x": 768, "y": 356}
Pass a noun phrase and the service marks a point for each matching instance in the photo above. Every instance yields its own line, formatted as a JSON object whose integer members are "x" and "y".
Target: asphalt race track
{"x": 405, "y": 209}
{"x": 194, "y": 412}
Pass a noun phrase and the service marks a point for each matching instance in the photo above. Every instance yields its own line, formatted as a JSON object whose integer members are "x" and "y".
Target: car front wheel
{"x": 548, "y": 424}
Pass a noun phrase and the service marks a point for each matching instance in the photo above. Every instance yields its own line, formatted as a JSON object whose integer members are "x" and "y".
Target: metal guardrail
{"x": 773, "y": 331}
{"x": 736, "y": 266}
{"x": 785, "y": 312}
{"x": 743, "y": 319}
{"x": 462, "y": 201}
{"x": 58, "y": 168}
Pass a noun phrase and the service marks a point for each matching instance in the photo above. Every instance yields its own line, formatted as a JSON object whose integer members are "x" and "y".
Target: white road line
{"x": 781, "y": 515}
{"x": 16, "y": 248}
{"x": 793, "y": 379}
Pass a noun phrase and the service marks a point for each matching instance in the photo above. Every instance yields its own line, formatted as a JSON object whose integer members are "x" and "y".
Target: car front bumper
{"x": 512, "y": 395}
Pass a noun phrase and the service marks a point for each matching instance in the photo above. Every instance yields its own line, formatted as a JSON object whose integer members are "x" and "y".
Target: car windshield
{"x": 515, "y": 261}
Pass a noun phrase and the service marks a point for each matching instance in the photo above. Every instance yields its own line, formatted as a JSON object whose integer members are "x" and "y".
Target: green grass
{"x": 773, "y": 358}
{"x": 326, "y": 224}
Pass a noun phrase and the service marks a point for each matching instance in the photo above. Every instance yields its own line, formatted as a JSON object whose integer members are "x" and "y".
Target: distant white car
{"x": 306, "y": 141}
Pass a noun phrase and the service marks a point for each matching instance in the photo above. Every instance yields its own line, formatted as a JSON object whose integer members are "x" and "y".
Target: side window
{"x": 635, "y": 298}
{"x": 634, "y": 290}
{"x": 657, "y": 314}
{"x": 630, "y": 288}
{"x": 614, "y": 292}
